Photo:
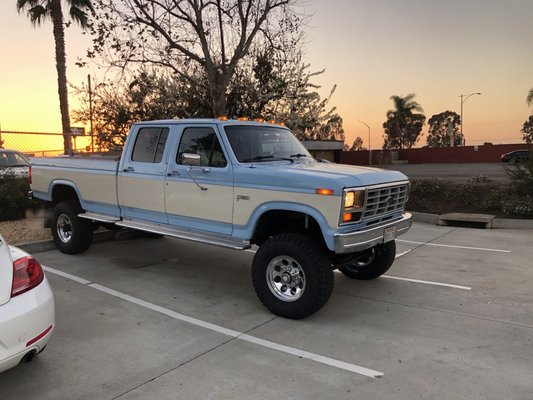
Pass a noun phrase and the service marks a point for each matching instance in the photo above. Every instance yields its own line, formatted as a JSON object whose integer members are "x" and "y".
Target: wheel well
{"x": 63, "y": 193}
{"x": 283, "y": 221}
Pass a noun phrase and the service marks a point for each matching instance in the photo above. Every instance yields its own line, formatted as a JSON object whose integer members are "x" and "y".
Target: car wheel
{"x": 374, "y": 265}
{"x": 292, "y": 276}
{"x": 71, "y": 234}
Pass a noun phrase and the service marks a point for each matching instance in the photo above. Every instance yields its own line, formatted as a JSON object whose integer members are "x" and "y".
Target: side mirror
{"x": 191, "y": 159}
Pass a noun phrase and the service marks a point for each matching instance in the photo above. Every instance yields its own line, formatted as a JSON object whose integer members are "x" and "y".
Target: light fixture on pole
{"x": 369, "y": 148}
{"x": 463, "y": 99}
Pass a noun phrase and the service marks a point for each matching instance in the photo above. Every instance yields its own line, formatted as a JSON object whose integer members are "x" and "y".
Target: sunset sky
{"x": 372, "y": 49}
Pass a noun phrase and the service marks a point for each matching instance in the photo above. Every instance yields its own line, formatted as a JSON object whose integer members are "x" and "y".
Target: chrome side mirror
{"x": 191, "y": 159}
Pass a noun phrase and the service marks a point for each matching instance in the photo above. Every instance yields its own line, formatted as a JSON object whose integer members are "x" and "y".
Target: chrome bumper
{"x": 365, "y": 239}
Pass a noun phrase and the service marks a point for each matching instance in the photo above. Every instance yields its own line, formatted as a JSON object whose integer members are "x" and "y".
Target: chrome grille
{"x": 383, "y": 201}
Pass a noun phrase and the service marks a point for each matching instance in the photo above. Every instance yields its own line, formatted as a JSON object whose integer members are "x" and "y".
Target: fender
{"x": 247, "y": 231}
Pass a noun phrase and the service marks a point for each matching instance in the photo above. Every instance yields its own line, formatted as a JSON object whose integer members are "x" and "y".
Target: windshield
{"x": 251, "y": 143}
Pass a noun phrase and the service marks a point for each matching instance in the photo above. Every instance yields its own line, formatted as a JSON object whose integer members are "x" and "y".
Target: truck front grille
{"x": 384, "y": 201}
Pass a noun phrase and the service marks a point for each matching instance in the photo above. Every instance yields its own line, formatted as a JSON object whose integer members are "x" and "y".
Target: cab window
{"x": 150, "y": 145}
{"x": 204, "y": 142}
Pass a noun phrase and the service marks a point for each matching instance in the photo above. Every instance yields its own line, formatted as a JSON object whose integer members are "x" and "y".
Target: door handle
{"x": 174, "y": 172}
{"x": 205, "y": 170}
{"x": 129, "y": 169}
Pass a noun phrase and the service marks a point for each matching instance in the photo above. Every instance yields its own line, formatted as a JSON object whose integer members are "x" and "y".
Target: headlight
{"x": 354, "y": 199}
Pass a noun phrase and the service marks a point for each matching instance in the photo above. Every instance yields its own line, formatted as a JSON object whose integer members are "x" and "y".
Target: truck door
{"x": 199, "y": 183}
{"x": 141, "y": 179}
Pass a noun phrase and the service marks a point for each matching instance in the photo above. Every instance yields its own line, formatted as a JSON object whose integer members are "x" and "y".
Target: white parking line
{"x": 427, "y": 282}
{"x": 453, "y": 247}
{"x": 225, "y": 331}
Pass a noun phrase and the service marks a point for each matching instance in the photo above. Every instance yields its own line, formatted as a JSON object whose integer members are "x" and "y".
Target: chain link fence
{"x": 41, "y": 144}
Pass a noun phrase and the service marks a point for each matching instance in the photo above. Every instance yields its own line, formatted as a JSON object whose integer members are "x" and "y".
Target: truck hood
{"x": 309, "y": 175}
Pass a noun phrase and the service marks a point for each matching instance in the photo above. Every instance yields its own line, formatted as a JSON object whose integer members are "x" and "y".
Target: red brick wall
{"x": 468, "y": 154}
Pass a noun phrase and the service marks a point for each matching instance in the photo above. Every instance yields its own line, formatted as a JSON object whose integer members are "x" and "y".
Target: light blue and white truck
{"x": 235, "y": 184}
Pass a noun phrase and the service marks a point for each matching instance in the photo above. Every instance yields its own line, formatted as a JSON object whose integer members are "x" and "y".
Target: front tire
{"x": 376, "y": 264}
{"x": 72, "y": 235}
{"x": 292, "y": 276}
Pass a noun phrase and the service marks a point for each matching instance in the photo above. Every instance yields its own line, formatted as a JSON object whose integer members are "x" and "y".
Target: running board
{"x": 99, "y": 217}
{"x": 213, "y": 239}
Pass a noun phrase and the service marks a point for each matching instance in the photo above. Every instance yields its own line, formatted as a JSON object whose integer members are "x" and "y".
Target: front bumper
{"x": 354, "y": 242}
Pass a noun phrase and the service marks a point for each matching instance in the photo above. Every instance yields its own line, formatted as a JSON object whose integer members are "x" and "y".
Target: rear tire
{"x": 292, "y": 276}
{"x": 72, "y": 235}
{"x": 378, "y": 262}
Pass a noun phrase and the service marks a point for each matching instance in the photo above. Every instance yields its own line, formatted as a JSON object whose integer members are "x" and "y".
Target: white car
{"x": 27, "y": 313}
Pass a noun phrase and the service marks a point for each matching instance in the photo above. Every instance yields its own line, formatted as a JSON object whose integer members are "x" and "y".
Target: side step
{"x": 213, "y": 239}
{"x": 99, "y": 217}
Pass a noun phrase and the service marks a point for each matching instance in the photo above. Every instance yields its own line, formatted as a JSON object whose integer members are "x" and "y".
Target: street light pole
{"x": 463, "y": 99}
{"x": 369, "y": 149}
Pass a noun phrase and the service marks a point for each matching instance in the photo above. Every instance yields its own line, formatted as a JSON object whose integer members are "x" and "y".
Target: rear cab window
{"x": 150, "y": 145}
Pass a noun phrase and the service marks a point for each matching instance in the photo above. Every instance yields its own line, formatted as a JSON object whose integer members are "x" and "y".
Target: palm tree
{"x": 403, "y": 122}
{"x": 529, "y": 98}
{"x": 40, "y": 10}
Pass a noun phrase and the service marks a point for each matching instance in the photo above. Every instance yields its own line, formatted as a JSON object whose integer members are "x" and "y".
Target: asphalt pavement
{"x": 171, "y": 319}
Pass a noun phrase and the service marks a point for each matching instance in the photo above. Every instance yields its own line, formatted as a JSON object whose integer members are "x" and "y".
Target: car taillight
{"x": 27, "y": 273}
{"x": 29, "y": 175}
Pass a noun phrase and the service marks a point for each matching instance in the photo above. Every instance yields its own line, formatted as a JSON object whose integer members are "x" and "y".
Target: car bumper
{"x": 26, "y": 324}
{"x": 353, "y": 242}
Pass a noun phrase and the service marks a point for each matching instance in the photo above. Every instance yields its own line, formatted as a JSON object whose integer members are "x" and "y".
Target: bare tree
{"x": 194, "y": 37}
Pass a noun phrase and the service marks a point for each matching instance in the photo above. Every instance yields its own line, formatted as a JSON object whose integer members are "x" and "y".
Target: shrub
{"x": 518, "y": 206}
{"x": 521, "y": 176}
{"x": 13, "y": 197}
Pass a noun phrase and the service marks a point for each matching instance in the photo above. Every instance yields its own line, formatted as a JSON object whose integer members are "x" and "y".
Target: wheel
{"x": 374, "y": 265}
{"x": 292, "y": 276}
{"x": 71, "y": 234}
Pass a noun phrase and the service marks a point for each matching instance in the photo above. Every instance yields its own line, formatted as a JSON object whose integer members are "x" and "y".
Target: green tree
{"x": 404, "y": 123}
{"x": 194, "y": 39}
{"x": 148, "y": 95}
{"x": 357, "y": 144}
{"x": 441, "y": 127}
{"x": 154, "y": 94}
{"x": 41, "y": 10}
{"x": 527, "y": 130}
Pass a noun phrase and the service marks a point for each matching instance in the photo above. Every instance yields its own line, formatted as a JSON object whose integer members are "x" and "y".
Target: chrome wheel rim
{"x": 285, "y": 278}
{"x": 64, "y": 228}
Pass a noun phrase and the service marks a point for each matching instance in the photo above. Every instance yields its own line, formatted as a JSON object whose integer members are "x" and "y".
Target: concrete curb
{"x": 496, "y": 223}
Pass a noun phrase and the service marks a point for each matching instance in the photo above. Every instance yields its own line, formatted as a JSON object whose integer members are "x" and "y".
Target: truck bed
{"x": 94, "y": 179}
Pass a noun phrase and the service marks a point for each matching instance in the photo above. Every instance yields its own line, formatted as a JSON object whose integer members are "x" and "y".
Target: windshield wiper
{"x": 298, "y": 155}
{"x": 268, "y": 158}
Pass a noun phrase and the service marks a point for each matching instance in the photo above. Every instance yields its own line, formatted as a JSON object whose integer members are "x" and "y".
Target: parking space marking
{"x": 449, "y": 285}
{"x": 225, "y": 331}
{"x": 453, "y": 247}
{"x": 66, "y": 275}
{"x": 402, "y": 254}
{"x": 427, "y": 282}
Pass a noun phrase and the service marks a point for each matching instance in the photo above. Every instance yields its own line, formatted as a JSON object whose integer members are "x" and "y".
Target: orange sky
{"x": 370, "y": 49}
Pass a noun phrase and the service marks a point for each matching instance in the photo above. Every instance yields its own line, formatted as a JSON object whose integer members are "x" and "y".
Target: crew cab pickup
{"x": 235, "y": 184}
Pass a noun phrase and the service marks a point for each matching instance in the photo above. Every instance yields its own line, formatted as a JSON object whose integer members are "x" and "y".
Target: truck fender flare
{"x": 64, "y": 182}
{"x": 251, "y": 226}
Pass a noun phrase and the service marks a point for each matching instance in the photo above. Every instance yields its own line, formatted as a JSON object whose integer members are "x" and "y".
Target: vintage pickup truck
{"x": 235, "y": 184}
